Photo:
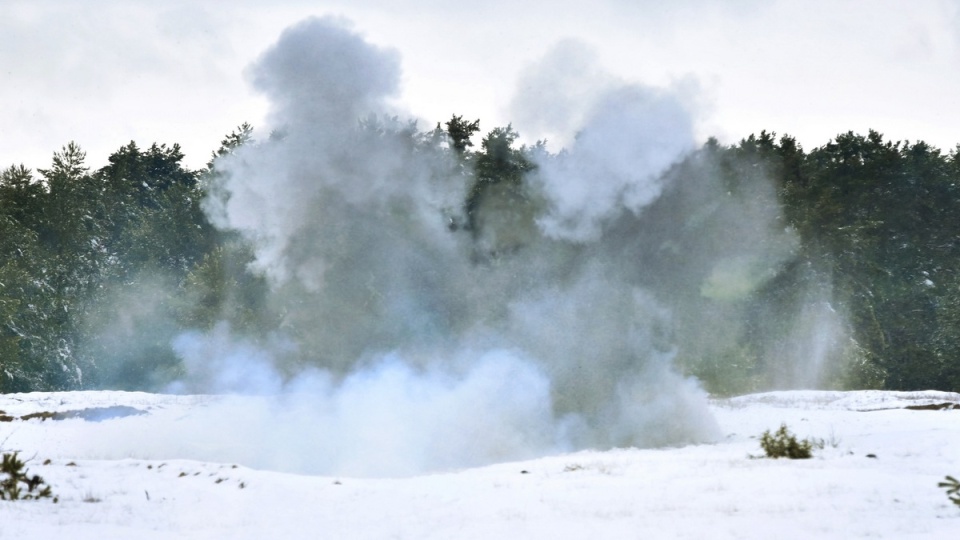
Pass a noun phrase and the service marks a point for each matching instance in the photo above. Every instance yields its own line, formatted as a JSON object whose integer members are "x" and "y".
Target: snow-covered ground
{"x": 875, "y": 477}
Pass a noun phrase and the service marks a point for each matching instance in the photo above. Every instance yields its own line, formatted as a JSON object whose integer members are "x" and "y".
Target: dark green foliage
{"x": 237, "y": 138}
{"x": 952, "y": 485}
{"x": 35, "y": 300}
{"x": 92, "y": 262}
{"x": 497, "y": 201}
{"x": 784, "y": 444}
{"x": 460, "y": 131}
{"x": 17, "y": 245}
{"x": 75, "y": 246}
{"x": 21, "y": 197}
{"x": 18, "y": 485}
{"x": 877, "y": 228}
{"x": 881, "y": 218}
{"x": 499, "y": 161}
{"x": 155, "y": 233}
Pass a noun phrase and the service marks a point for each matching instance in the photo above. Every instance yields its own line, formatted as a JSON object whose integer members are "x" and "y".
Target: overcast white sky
{"x": 103, "y": 73}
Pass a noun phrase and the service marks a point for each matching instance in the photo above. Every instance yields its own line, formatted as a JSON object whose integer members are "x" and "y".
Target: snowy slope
{"x": 116, "y": 479}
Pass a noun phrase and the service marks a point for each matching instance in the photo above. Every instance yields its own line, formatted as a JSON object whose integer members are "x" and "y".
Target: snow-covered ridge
{"x": 860, "y": 400}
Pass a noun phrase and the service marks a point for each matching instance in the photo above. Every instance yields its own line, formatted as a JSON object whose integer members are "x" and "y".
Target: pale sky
{"x": 103, "y": 72}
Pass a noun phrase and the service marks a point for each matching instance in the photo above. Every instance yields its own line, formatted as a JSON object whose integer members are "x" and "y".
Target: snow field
{"x": 716, "y": 490}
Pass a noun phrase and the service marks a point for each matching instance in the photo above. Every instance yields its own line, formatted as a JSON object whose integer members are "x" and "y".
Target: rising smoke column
{"x": 409, "y": 334}
{"x": 618, "y": 139}
{"x": 705, "y": 236}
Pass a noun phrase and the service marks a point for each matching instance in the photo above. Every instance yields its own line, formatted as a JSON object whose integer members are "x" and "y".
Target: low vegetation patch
{"x": 18, "y": 485}
{"x": 952, "y": 485}
{"x": 785, "y": 444}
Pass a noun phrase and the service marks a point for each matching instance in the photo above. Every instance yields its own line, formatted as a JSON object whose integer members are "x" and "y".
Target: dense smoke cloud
{"x": 408, "y": 345}
{"x": 619, "y": 139}
{"x": 630, "y": 138}
{"x": 554, "y": 93}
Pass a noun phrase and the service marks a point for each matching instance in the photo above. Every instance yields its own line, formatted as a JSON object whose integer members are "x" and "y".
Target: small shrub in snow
{"x": 952, "y": 485}
{"x": 12, "y": 487}
{"x": 785, "y": 444}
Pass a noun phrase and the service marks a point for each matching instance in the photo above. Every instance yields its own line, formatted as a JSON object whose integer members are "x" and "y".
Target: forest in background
{"x": 101, "y": 270}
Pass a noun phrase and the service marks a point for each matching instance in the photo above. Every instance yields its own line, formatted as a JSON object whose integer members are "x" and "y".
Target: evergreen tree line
{"x": 100, "y": 270}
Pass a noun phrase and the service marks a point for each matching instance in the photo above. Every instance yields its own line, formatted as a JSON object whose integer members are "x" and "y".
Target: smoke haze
{"x": 408, "y": 346}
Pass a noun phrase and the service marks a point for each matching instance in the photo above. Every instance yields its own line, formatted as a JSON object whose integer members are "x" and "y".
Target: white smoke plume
{"x": 410, "y": 346}
{"x": 389, "y": 418}
{"x": 619, "y": 139}
{"x": 630, "y": 138}
{"x": 555, "y": 93}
